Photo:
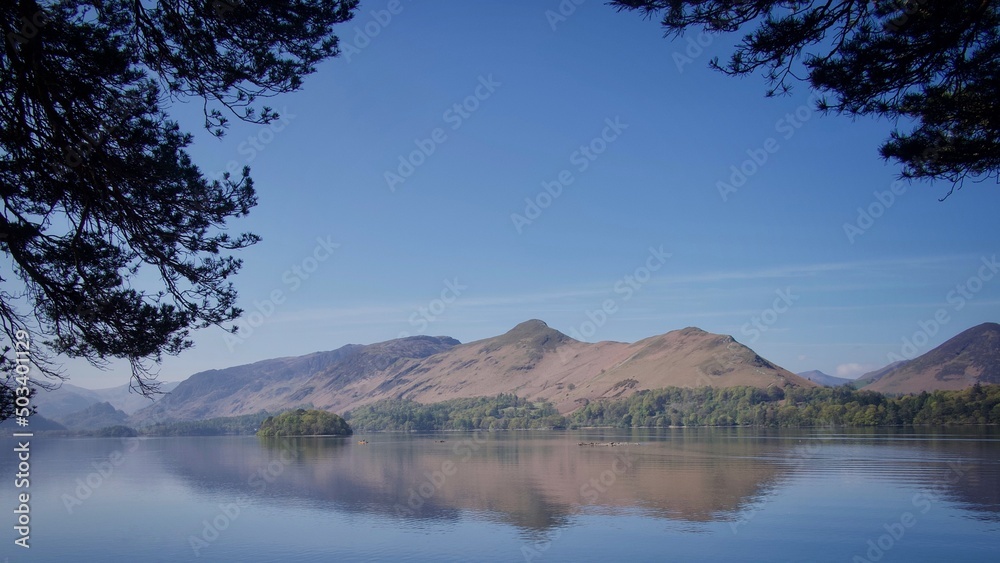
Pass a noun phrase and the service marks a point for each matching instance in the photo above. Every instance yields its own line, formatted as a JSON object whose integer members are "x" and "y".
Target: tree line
{"x": 502, "y": 412}
{"x": 792, "y": 407}
{"x": 657, "y": 408}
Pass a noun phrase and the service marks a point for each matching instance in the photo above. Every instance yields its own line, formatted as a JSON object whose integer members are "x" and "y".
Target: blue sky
{"x": 634, "y": 141}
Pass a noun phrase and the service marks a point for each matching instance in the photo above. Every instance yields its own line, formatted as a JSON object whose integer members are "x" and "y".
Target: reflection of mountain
{"x": 535, "y": 484}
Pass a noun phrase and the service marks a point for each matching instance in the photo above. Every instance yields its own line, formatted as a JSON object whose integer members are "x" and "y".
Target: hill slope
{"x": 99, "y": 415}
{"x": 531, "y": 360}
{"x": 873, "y": 376}
{"x": 283, "y": 383}
{"x": 972, "y": 356}
{"x": 824, "y": 379}
{"x": 68, "y": 399}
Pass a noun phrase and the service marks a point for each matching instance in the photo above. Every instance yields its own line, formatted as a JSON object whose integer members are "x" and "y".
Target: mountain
{"x": 823, "y": 379}
{"x": 971, "y": 357}
{"x": 283, "y": 383}
{"x": 531, "y": 360}
{"x": 68, "y": 399}
{"x": 873, "y": 376}
{"x": 94, "y": 417}
{"x": 37, "y": 422}
{"x": 128, "y": 401}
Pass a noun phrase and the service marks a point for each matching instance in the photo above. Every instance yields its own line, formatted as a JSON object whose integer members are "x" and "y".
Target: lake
{"x": 668, "y": 495}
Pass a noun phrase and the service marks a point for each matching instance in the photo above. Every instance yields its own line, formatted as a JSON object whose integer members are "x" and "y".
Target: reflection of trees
{"x": 306, "y": 448}
{"x": 531, "y": 483}
{"x": 539, "y": 483}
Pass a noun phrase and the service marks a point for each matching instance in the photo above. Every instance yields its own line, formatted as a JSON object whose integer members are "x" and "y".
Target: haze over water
{"x": 670, "y": 495}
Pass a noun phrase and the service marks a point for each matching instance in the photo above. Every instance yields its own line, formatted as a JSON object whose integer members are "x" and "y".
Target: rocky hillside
{"x": 531, "y": 360}
{"x": 284, "y": 383}
{"x": 971, "y": 357}
{"x": 873, "y": 376}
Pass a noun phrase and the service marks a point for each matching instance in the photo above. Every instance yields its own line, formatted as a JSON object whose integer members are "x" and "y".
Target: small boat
{"x": 363, "y": 442}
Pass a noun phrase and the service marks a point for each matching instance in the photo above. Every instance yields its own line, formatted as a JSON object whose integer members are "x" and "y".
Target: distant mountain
{"x": 94, "y": 417}
{"x": 971, "y": 357}
{"x": 69, "y": 398}
{"x": 531, "y": 360}
{"x": 873, "y": 376}
{"x": 64, "y": 400}
{"x": 283, "y": 383}
{"x": 128, "y": 401}
{"x": 37, "y": 422}
{"x": 823, "y": 379}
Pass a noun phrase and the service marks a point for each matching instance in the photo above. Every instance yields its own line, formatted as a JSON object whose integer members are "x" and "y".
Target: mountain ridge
{"x": 972, "y": 356}
{"x": 532, "y": 360}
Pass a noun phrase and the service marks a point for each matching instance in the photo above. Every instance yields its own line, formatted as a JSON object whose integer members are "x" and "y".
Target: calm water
{"x": 674, "y": 495}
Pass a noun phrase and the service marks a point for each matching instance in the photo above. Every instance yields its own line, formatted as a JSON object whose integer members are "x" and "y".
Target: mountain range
{"x": 532, "y": 360}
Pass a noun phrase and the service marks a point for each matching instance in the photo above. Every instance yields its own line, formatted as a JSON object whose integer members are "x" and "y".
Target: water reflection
{"x": 540, "y": 481}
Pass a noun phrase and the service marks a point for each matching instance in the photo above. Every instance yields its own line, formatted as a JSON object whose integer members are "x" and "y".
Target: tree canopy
{"x": 114, "y": 243}
{"x": 302, "y": 422}
{"x": 931, "y": 67}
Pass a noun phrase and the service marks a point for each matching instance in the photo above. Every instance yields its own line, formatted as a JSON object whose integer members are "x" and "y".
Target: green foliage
{"x": 751, "y": 406}
{"x": 302, "y": 422}
{"x": 930, "y": 64}
{"x": 241, "y": 425}
{"x": 98, "y": 190}
{"x": 502, "y": 412}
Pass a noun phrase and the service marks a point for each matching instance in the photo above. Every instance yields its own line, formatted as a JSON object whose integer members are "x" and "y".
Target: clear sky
{"x": 569, "y": 170}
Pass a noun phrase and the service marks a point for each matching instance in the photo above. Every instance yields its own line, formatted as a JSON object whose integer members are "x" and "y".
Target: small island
{"x": 302, "y": 422}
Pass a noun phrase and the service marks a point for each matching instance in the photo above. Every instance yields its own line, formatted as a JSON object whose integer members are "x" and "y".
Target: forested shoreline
{"x": 658, "y": 408}
{"x": 703, "y": 406}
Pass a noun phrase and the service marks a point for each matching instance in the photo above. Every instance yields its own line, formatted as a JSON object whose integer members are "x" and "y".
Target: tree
{"x": 117, "y": 244}
{"x": 302, "y": 422}
{"x": 935, "y": 65}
